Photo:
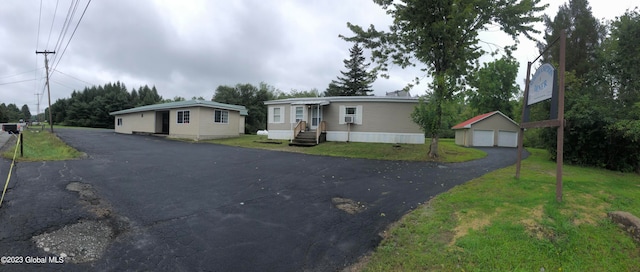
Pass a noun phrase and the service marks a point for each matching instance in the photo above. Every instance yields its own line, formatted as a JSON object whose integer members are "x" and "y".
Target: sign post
{"x": 546, "y": 84}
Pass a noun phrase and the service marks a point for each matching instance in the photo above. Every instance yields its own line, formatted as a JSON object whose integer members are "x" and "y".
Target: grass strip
{"x": 448, "y": 150}
{"x": 498, "y": 223}
{"x": 41, "y": 145}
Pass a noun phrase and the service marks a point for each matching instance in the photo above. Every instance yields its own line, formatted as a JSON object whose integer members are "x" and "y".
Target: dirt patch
{"x": 532, "y": 226}
{"x": 585, "y": 212}
{"x": 469, "y": 221}
{"x": 348, "y": 205}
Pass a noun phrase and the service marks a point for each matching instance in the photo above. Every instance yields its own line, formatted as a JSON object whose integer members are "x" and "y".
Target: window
{"x": 276, "y": 115}
{"x": 183, "y": 117}
{"x": 119, "y": 121}
{"x": 221, "y": 116}
{"x": 350, "y": 110}
{"x": 299, "y": 114}
{"x": 350, "y": 114}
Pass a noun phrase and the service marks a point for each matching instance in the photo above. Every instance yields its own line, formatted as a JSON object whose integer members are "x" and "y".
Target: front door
{"x": 316, "y": 116}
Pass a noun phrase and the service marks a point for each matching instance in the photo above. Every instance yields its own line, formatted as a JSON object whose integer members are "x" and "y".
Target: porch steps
{"x": 307, "y": 138}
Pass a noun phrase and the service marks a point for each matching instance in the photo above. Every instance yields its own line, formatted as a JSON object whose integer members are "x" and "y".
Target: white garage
{"x": 489, "y": 129}
{"x": 508, "y": 138}
{"x": 483, "y": 138}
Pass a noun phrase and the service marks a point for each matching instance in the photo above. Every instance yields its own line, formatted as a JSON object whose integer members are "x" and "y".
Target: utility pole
{"x": 46, "y": 65}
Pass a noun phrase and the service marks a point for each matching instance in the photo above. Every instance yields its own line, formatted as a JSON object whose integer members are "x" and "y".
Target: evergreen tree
{"x": 26, "y": 113}
{"x": 356, "y": 80}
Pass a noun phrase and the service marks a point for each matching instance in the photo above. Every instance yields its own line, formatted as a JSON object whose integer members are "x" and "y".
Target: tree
{"x": 13, "y": 113}
{"x": 4, "y": 114}
{"x": 584, "y": 35}
{"x": 356, "y": 80}
{"x": 295, "y": 93}
{"x": 442, "y": 36}
{"x": 252, "y": 98}
{"x": 454, "y": 111}
{"x": 600, "y": 81}
{"x": 622, "y": 47}
{"x": 493, "y": 87}
{"x": 26, "y": 113}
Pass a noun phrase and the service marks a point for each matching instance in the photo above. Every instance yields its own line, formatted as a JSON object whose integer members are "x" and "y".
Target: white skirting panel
{"x": 375, "y": 137}
{"x": 280, "y": 134}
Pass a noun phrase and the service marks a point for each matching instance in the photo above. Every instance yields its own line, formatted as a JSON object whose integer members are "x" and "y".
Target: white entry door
{"x": 483, "y": 138}
{"x": 316, "y": 116}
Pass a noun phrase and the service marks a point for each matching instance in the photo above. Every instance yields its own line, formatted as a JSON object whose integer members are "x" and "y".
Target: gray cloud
{"x": 189, "y": 48}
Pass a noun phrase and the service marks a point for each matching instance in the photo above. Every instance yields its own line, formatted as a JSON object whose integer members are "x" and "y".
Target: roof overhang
{"x": 311, "y": 102}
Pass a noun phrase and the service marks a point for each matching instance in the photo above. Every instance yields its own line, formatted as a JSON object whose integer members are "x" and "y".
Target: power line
{"x": 35, "y": 73}
{"x": 8, "y": 76}
{"x": 74, "y": 77}
{"x": 52, "y": 23}
{"x": 65, "y": 27}
{"x": 19, "y": 81}
{"x": 72, "y": 34}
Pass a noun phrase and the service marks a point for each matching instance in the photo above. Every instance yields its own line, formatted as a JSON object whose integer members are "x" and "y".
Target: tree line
{"x": 602, "y": 95}
{"x": 11, "y": 113}
{"x": 91, "y": 106}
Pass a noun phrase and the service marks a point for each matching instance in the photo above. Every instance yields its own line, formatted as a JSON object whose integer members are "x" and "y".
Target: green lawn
{"x": 448, "y": 150}
{"x": 42, "y": 146}
{"x": 498, "y": 223}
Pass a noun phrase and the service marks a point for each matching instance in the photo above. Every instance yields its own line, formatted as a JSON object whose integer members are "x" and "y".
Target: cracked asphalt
{"x": 179, "y": 206}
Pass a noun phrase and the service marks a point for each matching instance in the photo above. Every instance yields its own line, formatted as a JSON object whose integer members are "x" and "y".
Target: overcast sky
{"x": 188, "y": 48}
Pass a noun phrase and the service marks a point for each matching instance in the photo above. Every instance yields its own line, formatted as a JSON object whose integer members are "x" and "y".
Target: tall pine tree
{"x": 356, "y": 80}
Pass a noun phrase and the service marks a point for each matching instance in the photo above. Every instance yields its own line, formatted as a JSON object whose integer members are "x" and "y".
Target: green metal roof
{"x": 184, "y": 104}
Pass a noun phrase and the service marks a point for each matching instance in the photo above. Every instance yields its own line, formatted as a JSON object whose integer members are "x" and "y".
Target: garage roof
{"x": 184, "y": 104}
{"x": 468, "y": 123}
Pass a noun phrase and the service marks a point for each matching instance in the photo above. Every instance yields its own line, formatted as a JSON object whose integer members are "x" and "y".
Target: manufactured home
{"x": 345, "y": 119}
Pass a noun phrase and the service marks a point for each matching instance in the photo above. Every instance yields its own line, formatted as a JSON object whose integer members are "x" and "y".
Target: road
{"x": 148, "y": 203}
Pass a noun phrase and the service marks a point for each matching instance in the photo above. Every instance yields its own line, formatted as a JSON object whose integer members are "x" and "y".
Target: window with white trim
{"x": 277, "y": 115}
{"x": 221, "y": 116}
{"x": 352, "y": 113}
{"x": 183, "y": 117}
{"x": 119, "y": 122}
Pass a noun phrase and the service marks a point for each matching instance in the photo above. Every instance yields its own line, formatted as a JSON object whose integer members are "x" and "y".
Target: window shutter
{"x": 270, "y": 115}
{"x": 341, "y": 115}
{"x": 359, "y": 114}
{"x": 292, "y": 114}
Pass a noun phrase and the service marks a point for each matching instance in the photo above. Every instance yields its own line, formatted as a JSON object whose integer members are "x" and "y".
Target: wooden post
{"x": 521, "y": 134}
{"x": 21, "y": 142}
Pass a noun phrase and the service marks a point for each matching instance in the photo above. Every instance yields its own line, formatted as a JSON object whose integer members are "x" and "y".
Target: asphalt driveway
{"x": 178, "y": 206}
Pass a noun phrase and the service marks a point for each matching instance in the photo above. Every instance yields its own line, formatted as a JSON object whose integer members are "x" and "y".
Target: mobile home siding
{"x": 376, "y": 117}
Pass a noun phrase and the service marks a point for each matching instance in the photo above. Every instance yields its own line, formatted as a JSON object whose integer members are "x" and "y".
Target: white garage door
{"x": 507, "y": 138}
{"x": 483, "y": 138}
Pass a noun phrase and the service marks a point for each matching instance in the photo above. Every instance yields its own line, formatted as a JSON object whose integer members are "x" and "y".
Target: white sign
{"x": 541, "y": 84}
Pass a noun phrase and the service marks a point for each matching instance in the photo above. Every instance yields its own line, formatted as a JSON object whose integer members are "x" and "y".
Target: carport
{"x": 489, "y": 129}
